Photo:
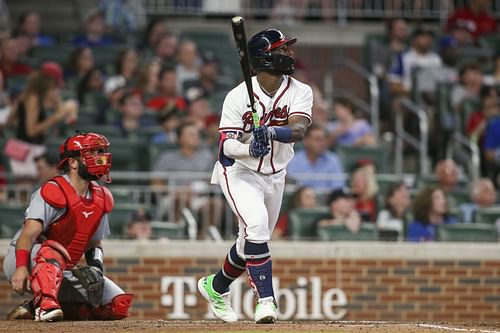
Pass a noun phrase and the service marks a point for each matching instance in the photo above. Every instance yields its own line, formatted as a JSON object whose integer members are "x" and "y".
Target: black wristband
{"x": 95, "y": 257}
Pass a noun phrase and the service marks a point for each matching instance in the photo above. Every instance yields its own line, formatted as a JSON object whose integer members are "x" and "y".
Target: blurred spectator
{"x": 131, "y": 114}
{"x": 493, "y": 79}
{"x": 148, "y": 80}
{"x": 483, "y": 195}
{"x": 94, "y": 31}
{"x": 34, "y": 122}
{"x": 303, "y": 197}
{"x": 320, "y": 111}
{"x": 461, "y": 34}
{"x": 347, "y": 130}
{"x": 420, "y": 55}
{"x": 469, "y": 87}
{"x": 427, "y": 79}
{"x": 124, "y": 16}
{"x": 316, "y": 161}
{"x": 364, "y": 187}
{"x": 341, "y": 204}
{"x": 46, "y": 167}
{"x": 154, "y": 30}
{"x": 447, "y": 175}
{"x": 10, "y": 63}
{"x": 29, "y": 24}
{"x": 126, "y": 65}
{"x": 211, "y": 132}
{"x": 478, "y": 120}
{"x": 5, "y": 104}
{"x": 430, "y": 208}
{"x": 392, "y": 218}
{"x": 168, "y": 92}
{"x": 166, "y": 49}
{"x": 209, "y": 79}
{"x": 476, "y": 18}
{"x": 90, "y": 85}
{"x": 492, "y": 148}
{"x": 192, "y": 193}
{"x": 198, "y": 110}
{"x": 188, "y": 63}
{"x": 24, "y": 47}
{"x": 139, "y": 225}
{"x": 81, "y": 60}
{"x": 396, "y": 41}
{"x": 169, "y": 120}
{"x": 4, "y": 19}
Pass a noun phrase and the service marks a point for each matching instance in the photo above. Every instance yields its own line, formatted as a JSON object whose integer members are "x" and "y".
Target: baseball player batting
{"x": 66, "y": 218}
{"x": 251, "y": 168}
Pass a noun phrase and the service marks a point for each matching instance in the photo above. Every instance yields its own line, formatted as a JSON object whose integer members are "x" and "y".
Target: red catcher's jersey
{"x": 75, "y": 228}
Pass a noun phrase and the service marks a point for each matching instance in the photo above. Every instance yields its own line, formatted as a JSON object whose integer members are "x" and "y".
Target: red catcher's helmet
{"x": 92, "y": 148}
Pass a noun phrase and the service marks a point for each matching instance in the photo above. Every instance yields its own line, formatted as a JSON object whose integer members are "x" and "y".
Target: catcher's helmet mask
{"x": 91, "y": 151}
{"x": 262, "y": 48}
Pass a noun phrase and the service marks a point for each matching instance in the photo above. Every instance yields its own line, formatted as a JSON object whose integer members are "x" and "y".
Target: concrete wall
{"x": 352, "y": 281}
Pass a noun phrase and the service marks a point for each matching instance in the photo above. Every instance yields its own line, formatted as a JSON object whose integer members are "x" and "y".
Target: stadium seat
{"x": 128, "y": 155}
{"x": 57, "y": 53}
{"x": 302, "y": 222}
{"x": 169, "y": 230}
{"x": 467, "y": 232}
{"x": 155, "y": 150}
{"x": 367, "y": 232}
{"x": 120, "y": 216}
{"x": 487, "y": 215}
{"x": 351, "y": 156}
{"x": 11, "y": 219}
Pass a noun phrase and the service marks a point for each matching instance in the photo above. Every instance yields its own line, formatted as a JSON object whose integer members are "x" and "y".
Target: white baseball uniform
{"x": 254, "y": 187}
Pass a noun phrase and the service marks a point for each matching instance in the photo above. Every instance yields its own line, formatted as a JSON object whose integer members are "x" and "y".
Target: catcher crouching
{"x": 67, "y": 217}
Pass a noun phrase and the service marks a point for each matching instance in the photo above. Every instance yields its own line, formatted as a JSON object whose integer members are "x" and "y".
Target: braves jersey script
{"x": 292, "y": 98}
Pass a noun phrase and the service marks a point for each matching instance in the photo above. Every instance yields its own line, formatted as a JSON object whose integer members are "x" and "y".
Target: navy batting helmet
{"x": 262, "y": 57}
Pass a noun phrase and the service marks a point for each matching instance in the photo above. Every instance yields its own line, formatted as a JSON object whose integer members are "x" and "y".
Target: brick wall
{"x": 376, "y": 289}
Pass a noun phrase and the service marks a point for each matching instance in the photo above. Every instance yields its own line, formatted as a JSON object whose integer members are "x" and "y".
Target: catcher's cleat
{"x": 220, "y": 303}
{"x": 23, "y": 311}
{"x": 48, "y": 315}
{"x": 265, "y": 311}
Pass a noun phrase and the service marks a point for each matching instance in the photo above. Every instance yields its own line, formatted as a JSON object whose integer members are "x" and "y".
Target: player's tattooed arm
{"x": 299, "y": 125}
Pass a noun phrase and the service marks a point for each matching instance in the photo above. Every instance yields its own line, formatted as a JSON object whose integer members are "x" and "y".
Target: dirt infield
{"x": 242, "y": 327}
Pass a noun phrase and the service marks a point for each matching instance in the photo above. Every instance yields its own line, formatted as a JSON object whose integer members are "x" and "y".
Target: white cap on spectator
{"x": 114, "y": 83}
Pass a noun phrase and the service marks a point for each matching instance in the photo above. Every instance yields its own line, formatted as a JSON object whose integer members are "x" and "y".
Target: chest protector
{"x": 75, "y": 228}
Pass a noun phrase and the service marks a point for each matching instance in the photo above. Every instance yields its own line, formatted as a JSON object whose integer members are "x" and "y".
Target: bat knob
{"x": 237, "y": 19}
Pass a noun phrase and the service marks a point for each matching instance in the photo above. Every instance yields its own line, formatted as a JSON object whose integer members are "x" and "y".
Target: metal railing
{"x": 466, "y": 151}
{"x": 341, "y": 10}
{"x": 373, "y": 90}
{"x": 402, "y": 136}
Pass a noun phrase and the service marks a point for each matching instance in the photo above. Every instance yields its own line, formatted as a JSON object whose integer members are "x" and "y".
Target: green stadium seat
{"x": 487, "y": 215}
{"x": 119, "y": 217}
{"x": 467, "y": 232}
{"x": 128, "y": 155}
{"x": 490, "y": 42}
{"x": 169, "y": 230}
{"x": 57, "y": 53}
{"x": 11, "y": 219}
{"x": 367, "y": 232}
{"x": 302, "y": 222}
{"x": 351, "y": 156}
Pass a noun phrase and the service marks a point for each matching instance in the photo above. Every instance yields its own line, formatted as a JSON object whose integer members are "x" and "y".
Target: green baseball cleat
{"x": 220, "y": 303}
{"x": 265, "y": 311}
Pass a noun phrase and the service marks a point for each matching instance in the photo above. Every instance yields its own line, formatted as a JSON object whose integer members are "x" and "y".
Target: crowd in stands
{"x": 164, "y": 91}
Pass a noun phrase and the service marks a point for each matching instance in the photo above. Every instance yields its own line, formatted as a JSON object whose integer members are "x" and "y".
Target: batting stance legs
{"x": 256, "y": 200}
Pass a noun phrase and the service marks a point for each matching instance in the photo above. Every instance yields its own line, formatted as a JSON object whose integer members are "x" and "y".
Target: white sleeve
{"x": 236, "y": 149}
{"x": 302, "y": 103}
{"x": 103, "y": 229}
{"x": 232, "y": 110}
{"x": 39, "y": 209}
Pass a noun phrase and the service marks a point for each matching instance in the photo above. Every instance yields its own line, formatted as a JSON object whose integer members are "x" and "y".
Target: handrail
{"x": 402, "y": 135}
{"x": 372, "y": 88}
{"x": 474, "y": 160}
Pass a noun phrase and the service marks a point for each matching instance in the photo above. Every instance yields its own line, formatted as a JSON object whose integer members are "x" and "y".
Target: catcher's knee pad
{"x": 47, "y": 275}
{"x": 116, "y": 309}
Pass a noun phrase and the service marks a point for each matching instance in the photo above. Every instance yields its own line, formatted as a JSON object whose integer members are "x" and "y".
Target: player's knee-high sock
{"x": 233, "y": 267}
{"x": 259, "y": 268}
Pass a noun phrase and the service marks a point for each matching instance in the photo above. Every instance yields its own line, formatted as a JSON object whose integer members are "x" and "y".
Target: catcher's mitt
{"x": 92, "y": 281}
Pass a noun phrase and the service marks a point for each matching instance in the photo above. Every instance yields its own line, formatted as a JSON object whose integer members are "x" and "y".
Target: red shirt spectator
{"x": 475, "y": 18}
{"x": 9, "y": 59}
